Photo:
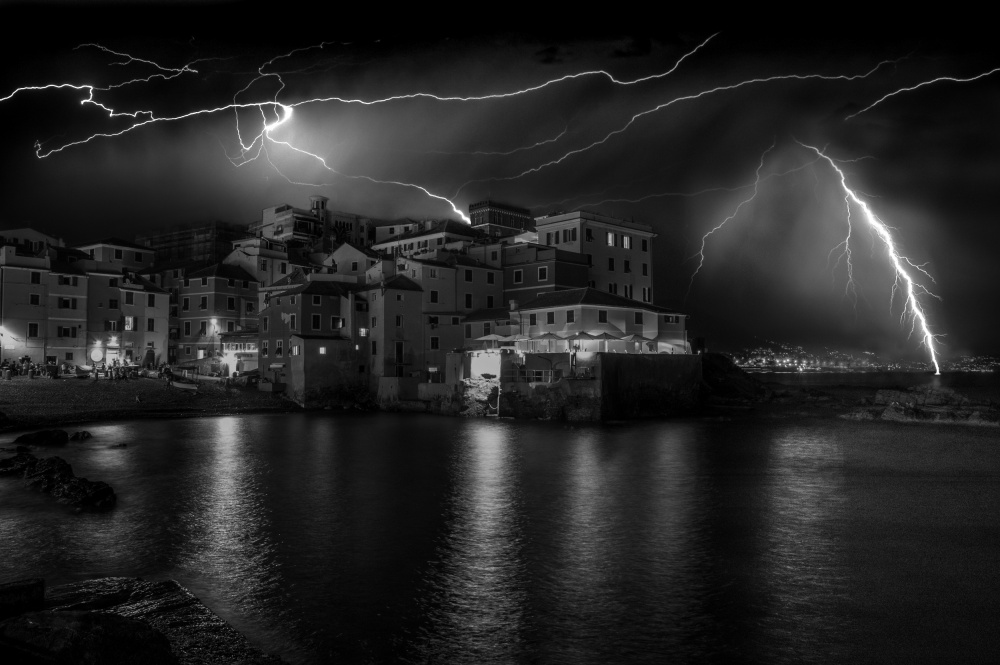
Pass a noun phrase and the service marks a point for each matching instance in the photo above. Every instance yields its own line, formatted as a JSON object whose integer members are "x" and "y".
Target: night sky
{"x": 927, "y": 161}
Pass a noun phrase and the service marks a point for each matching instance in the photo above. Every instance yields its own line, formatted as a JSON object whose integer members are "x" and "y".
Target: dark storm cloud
{"x": 931, "y": 175}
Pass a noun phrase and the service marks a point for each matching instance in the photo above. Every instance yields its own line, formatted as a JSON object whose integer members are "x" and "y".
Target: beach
{"x": 45, "y": 403}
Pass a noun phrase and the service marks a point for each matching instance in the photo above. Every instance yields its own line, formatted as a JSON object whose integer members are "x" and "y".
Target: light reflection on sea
{"x": 385, "y": 538}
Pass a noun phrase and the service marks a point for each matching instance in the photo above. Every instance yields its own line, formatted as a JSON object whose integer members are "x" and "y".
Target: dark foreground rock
{"x": 927, "y": 404}
{"x": 53, "y": 475}
{"x": 194, "y": 633}
{"x": 46, "y": 437}
{"x": 83, "y": 637}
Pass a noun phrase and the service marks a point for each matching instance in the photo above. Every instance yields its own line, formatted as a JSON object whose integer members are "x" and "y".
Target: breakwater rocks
{"x": 54, "y": 475}
{"x": 927, "y": 404}
{"x": 117, "y": 620}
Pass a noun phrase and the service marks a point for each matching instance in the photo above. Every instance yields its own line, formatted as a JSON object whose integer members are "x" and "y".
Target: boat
{"x": 186, "y": 385}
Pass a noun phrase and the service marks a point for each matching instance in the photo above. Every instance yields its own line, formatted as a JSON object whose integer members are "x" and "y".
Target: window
{"x": 374, "y": 322}
{"x": 322, "y": 350}
{"x": 518, "y": 276}
{"x": 565, "y": 235}
{"x": 491, "y": 278}
{"x": 487, "y": 328}
{"x": 602, "y": 316}
{"x": 468, "y": 301}
{"x": 263, "y": 265}
{"x": 187, "y": 328}
{"x": 111, "y": 326}
{"x": 317, "y": 300}
{"x": 669, "y": 318}
{"x": 34, "y": 299}
{"x": 493, "y": 255}
{"x": 336, "y": 323}
{"x": 374, "y": 348}
{"x": 433, "y": 273}
{"x": 187, "y": 350}
{"x": 550, "y": 317}
{"x": 292, "y": 324}
{"x": 543, "y": 274}
{"x": 283, "y": 268}
{"x": 264, "y": 324}
{"x": 203, "y": 328}
{"x": 36, "y": 277}
{"x": 611, "y": 239}
{"x": 611, "y": 263}
{"x": 625, "y": 266}
{"x": 113, "y": 303}
{"x": 489, "y": 301}
{"x": 263, "y": 347}
{"x": 246, "y": 284}
{"x": 362, "y": 332}
{"x": 392, "y": 230}
{"x": 293, "y": 350}
{"x": 278, "y": 352}
{"x": 316, "y": 322}
{"x": 129, "y": 323}
{"x": 231, "y": 303}
{"x": 150, "y": 324}
{"x": 435, "y": 343}
{"x": 613, "y": 288}
{"x": 468, "y": 330}
{"x": 590, "y": 259}
{"x": 129, "y": 298}
{"x": 548, "y": 238}
{"x": 69, "y": 355}
{"x": 204, "y": 281}
{"x": 645, "y": 270}
{"x": 638, "y": 317}
{"x": 32, "y": 330}
{"x": 645, "y": 245}
{"x": 645, "y": 294}
{"x": 231, "y": 282}
{"x": 399, "y": 321}
{"x": 532, "y": 319}
{"x": 627, "y": 242}
{"x": 203, "y": 302}
{"x": 118, "y": 254}
{"x": 187, "y": 282}
{"x": 399, "y": 297}
{"x": 570, "y": 316}
{"x": 468, "y": 275}
{"x": 249, "y": 307}
{"x": 433, "y": 321}
{"x": 434, "y": 296}
{"x": 230, "y": 326}
{"x": 138, "y": 257}
{"x": 588, "y": 235}
{"x": 150, "y": 300}
{"x": 186, "y": 304}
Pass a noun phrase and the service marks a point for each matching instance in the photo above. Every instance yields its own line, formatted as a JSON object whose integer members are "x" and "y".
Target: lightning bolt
{"x": 903, "y": 279}
{"x": 950, "y": 79}
{"x": 704, "y": 238}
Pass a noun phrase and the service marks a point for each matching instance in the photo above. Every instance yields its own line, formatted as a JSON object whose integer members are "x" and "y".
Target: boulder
{"x": 17, "y": 464}
{"x": 46, "y": 437}
{"x": 85, "y": 494}
{"x": 45, "y": 474}
{"x": 83, "y": 637}
{"x": 82, "y": 435}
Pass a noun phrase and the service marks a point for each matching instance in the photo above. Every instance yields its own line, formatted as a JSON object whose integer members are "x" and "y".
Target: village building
{"x": 409, "y": 237}
{"x": 213, "y": 299}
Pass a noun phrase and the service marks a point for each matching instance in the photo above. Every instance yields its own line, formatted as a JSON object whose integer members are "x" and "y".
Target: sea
{"x": 411, "y": 538}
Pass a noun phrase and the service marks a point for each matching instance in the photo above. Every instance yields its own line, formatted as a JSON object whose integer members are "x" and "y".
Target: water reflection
{"x": 475, "y": 599}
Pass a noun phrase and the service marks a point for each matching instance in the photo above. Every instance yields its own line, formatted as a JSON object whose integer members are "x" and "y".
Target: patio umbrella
{"x": 636, "y": 338}
{"x": 606, "y": 337}
{"x": 548, "y": 336}
{"x": 580, "y": 336}
{"x": 492, "y": 337}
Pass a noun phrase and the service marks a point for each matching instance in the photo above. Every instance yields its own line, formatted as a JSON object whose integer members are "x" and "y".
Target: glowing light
{"x": 950, "y": 79}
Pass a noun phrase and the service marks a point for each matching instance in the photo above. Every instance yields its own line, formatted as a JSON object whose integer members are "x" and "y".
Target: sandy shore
{"x": 47, "y": 403}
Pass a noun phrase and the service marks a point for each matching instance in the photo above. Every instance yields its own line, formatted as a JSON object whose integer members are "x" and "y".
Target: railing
{"x": 522, "y": 375}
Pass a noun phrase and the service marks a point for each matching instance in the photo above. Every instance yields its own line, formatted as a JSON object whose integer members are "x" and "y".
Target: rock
{"x": 195, "y": 633}
{"x": 118, "y": 445}
{"x": 21, "y": 449}
{"x": 46, "y": 473}
{"x": 47, "y": 437}
{"x": 17, "y": 464}
{"x": 84, "y": 637}
{"x": 86, "y": 494}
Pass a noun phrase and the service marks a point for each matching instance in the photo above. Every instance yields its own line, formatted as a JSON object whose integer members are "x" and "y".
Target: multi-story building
{"x": 529, "y": 269}
{"x": 294, "y": 226}
{"x": 619, "y": 251}
{"x": 117, "y": 254}
{"x": 395, "y": 332}
{"x": 213, "y": 300}
{"x": 208, "y": 242}
{"x": 409, "y": 237}
{"x": 498, "y": 220}
{"x": 310, "y": 340}
{"x": 24, "y": 303}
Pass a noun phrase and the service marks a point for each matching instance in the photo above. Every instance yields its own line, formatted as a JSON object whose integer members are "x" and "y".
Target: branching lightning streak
{"x": 911, "y": 88}
{"x": 704, "y": 239}
{"x": 631, "y": 121}
{"x": 902, "y": 277}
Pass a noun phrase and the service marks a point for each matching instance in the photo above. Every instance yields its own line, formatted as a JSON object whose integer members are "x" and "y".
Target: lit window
{"x": 322, "y": 350}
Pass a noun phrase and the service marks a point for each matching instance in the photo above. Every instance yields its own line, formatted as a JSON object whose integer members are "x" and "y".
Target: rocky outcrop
{"x": 928, "y": 404}
{"x": 46, "y": 437}
{"x": 195, "y": 633}
{"x": 120, "y": 620}
{"x": 53, "y": 475}
{"x": 83, "y": 637}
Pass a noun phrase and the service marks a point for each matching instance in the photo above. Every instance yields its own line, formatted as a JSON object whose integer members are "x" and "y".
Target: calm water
{"x": 410, "y": 538}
